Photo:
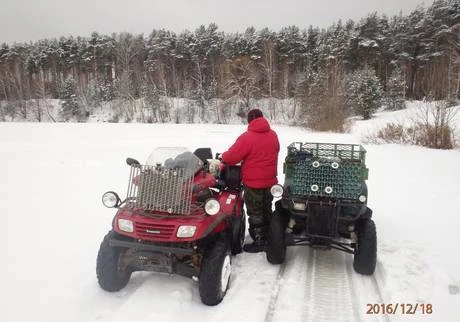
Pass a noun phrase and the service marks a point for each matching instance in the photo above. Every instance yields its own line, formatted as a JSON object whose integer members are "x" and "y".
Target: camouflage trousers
{"x": 259, "y": 206}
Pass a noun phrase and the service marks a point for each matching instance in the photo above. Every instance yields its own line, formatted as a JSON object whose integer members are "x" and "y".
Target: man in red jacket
{"x": 257, "y": 149}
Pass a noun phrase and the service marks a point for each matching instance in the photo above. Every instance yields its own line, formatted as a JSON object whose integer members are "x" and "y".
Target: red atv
{"x": 183, "y": 214}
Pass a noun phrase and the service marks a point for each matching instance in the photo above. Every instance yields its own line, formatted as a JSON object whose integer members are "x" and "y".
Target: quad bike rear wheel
{"x": 216, "y": 268}
{"x": 365, "y": 256}
{"x": 112, "y": 273}
{"x": 238, "y": 233}
{"x": 276, "y": 239}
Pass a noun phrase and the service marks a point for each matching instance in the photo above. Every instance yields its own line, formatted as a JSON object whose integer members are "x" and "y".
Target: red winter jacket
{"x": 258, "y": 148}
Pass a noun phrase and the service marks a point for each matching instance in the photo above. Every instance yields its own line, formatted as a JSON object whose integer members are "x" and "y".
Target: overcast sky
{"x": 30, "y": 20}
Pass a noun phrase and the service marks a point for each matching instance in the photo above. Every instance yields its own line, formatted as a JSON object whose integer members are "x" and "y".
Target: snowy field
{"x": 52, "y": 179}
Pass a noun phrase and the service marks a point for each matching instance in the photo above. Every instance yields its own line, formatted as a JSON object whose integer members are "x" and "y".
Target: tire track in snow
{"x": 377, "y": 280}
{"x": 288, "y": 292}
{"x": 321, "y": 285}
{"x": 369, "y": 292}
{"x": 108, "y": 303}
{"x": 314, "y": 285}
{"x": 275, "y": 293}
{"x": 357, "y": 308}
{"x": 331, "y": 292}
{"x": 309, "y": 283}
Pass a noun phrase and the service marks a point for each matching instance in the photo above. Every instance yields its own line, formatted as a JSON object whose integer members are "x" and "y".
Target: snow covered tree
{"x": 241, "y": 44}
{"x": 322, "y": 103}
{"x": 70, "y": 107}
{"x": 396, "y": 90}
{"x": 199, "y": 65}
{"x": 266, "y": 41}
{"x": 291, "y": 59}
{"x": 369, "y": 45}
{"x": 242, "y": 83}
{"x": 363, "y": 92}
{"x": 161, "y": 63}
{"x": 158, "y": 109}
{"x": 311, "y": 45}
{"x": 205, "y": 53}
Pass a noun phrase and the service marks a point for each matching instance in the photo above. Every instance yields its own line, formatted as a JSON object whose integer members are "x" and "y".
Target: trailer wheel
{"x": 276, "y": 239}
{"x": 365, "y": 256}
{"x": 112, "y": 273}
{"x": 216, "y": 268}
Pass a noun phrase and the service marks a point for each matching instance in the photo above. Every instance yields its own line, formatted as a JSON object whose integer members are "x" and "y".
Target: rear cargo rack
{"x": 326, "y": 170}
{"x": 348, "y": 152}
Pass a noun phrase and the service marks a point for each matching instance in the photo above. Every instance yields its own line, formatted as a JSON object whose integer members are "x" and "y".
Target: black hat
{"x": 253, "y": 114}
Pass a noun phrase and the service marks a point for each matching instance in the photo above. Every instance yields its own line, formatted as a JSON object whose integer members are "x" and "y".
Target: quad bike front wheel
{"x": 112, "y": 273}
{"x": 216, "y": 268}
{"x": 365, "y": 256}
{"x": 276, "y": 239}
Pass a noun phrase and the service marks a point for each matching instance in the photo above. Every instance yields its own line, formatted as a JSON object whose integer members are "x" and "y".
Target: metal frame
{"x": 151, "y": 247}
{"x": 306, "y": 241}
{"x": 163, "y": 256}
{"x": 350, "y": 155}
{"x": 330, "y": 241}
{"x": 160, "y": 189}
{"x": 352, "y": 152}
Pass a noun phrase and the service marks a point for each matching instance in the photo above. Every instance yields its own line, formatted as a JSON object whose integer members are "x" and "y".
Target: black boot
{"x": 258, "y": 244}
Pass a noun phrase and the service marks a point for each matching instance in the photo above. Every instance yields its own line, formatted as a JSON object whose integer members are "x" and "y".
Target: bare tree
{"x": 127, "y": 50}
{"x": 42, "y": 98}
{"x": 242, "y": 82}
{"x": 434, "y": 125}
{"x": 269, "y": 66}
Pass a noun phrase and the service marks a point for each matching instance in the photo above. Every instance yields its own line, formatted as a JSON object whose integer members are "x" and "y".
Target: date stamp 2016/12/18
{"x": 399, "y": 308}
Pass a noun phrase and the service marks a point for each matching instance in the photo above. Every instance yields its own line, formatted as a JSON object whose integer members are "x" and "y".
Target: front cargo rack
{"x": 157, "y": 188}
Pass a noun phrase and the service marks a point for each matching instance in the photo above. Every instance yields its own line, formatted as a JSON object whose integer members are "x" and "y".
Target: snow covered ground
{"x": 52, "y": 179}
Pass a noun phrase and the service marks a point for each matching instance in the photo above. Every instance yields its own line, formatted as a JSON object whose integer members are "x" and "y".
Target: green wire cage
{"x": 326, "y": 170}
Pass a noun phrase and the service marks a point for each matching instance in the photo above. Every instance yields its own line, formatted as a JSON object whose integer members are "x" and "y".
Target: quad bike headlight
{"x": 212, "y": 207}
{"x": 186, "y": 231}
{"x": 126, "y": 225}
{"x": 277, "y": 190}
{"x": 110, "y": 199}
{"x": 362, "y": 198}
